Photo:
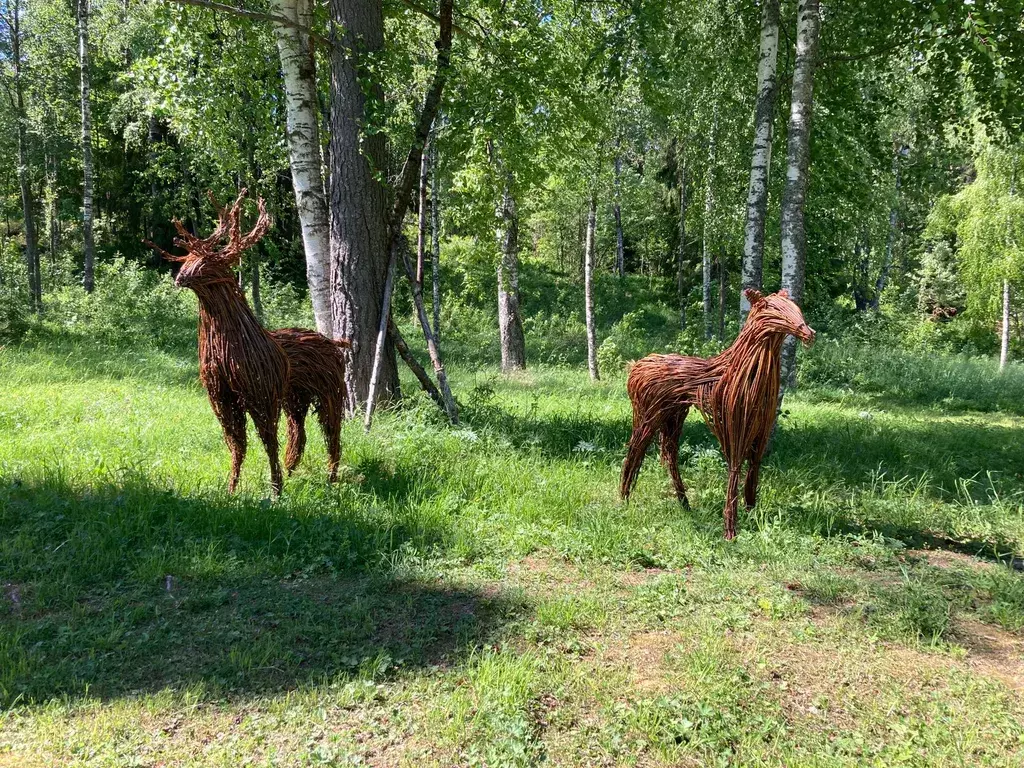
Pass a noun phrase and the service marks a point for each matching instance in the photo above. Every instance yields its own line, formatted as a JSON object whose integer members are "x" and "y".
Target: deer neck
{"x": 756, "y": 355}
{"x": 225, "y": 319}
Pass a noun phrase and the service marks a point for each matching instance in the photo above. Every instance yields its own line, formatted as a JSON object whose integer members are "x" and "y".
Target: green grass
{"x": 479, "y": 596}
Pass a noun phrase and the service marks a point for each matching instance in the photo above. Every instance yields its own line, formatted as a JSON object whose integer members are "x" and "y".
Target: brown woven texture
{"x": 736, "y": 391}
{"x": 247, "y": 369}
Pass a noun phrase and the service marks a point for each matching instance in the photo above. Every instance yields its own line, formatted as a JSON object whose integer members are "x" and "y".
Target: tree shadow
{"x": 114, "y": 591}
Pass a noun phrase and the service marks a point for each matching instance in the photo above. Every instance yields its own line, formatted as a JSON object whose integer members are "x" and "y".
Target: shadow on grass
{"x": 123, "y": 590}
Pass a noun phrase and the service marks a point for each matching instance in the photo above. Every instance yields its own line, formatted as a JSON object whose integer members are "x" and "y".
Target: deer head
{"x": 210, "y": 259}
{"x": 777, "y": 313}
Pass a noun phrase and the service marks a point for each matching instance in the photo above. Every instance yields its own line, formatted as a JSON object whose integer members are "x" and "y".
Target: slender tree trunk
{"x": 421, "y": 239}
{"x": 709, "y": 207}
{"x": 298, "y": 66}
{"x": 88, "y": 276}
{"x": 681, "y": 281}
{"x": 890, "y": 241}
{"x": 24, "y": 173}
{"x": 588, "y": 289}
{"x": 721, "y": 296}
{"x": 794, "y": 234}
{"x": 760, "y": 165}
{"x": 254, "y": 282}
{"x": 1004, "y": 347}
{"x": 378, "y": 354}
{"x": 620, "y": 248}
{"x": 358, "y": 208}
{"x": 510, "y": 322}
{"x": 448, "y": 400}
{"x": 435, "y": 232}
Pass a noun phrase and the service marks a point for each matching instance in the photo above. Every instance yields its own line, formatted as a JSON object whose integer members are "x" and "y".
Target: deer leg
{"x": 643, "y": 434}
{"x": 329, "y": 414}
{"x": 730, "y": 502}
{"x": 231, "y": 415}
{"x": 266, "y": 427}
{"x": 754, "y": 472}
{"x": 295, "y": 416}
{"x": 750, "y": 486}
{"x": 671, "y": 431}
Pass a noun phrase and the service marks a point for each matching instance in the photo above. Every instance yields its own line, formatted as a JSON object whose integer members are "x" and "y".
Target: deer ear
{"x": 783, "y": 293}
{"x": 753, "y": 295}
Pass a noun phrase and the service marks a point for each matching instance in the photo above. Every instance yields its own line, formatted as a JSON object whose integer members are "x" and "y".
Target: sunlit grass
{"x": 479, "y": 595}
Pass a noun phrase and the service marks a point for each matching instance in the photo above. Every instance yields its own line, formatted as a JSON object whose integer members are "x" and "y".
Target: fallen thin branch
{"x": 414, "y": 366}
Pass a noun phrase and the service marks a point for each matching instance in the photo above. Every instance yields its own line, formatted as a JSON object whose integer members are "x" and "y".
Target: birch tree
{"x": 88, "y": 268}
{"x": 298, "y": 67}
{"x": 12, "y": 18}
{"x": 760, "y": 165}
{"x": 794, "y": 234}
{"x": 510, "y": 320}
{"x": 588, "y": 288}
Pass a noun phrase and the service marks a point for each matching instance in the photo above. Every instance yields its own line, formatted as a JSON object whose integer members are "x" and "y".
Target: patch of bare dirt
{"x": 643, "y": 657}
{"x": 992, "y": 651}
{"x": 946, "y": 558}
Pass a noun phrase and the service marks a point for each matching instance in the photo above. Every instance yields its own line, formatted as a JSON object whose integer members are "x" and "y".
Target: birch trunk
{"x": 358, "y": 208}
{"x": 620, "y": 248}
{"x": 298, "y": 67}
{"x": 510, "y": 322}
{"x": 681, "y": 254}
{"x": 721, "y": 296}
{"x": 88, "y": 276}
{"x": 794, "y": 234}
{"x": 883, "y": 274}
{"x": 1004, "y": 346}
{"x": 760, "y": 164}
{"x": 24, "y": 180}
{"x": 588, "y": 289}
{"x": 421, "y": 239}
{"x": 435, "y": 233}
{"x": 709, "y": 207}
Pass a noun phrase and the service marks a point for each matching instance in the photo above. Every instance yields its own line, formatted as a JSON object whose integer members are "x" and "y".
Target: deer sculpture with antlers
{"x": 247, "y": 369}
{"x": 736, "y": 391}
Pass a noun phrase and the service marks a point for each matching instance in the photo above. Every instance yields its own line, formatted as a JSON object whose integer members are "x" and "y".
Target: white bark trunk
{"x": 620, "y": 246}
{"x": 709, "y": 207}
{"x": 794, "y": 235}
{"x": 681, "y": 254}
{"x": 304, "y": 150}
{"x": 1004, "y": 347}
{"x": 588, "y": 289}
{"x": 435, "y": 235}
{"x": 760, "y": 165}
{"x": 88, "y": 278}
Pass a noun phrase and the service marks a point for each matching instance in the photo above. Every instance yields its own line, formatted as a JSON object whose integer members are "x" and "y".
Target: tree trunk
{"x": 254, "y": 282}
{"x": 510, "y": 322}
{"x": 88, "y": 276}
{"x": 721, "y": 296}
{"x": 421, "y": 239}
{"x": 1004, "y": 347}
{"x": 760, "y": 165}
{"x": 620, "y": 249}
{"x": 435, "y": 233}
{"x": 681, "y": 287}
{"x": 588, "y": 289}
{"x": 794, "y": 234}
{"x": 298, "y": 67}
{"x": 890, "y": 241}
{"x": 24, "y": 176}
{"x": 709, "y": 207}
{"x": 358, "y": 213}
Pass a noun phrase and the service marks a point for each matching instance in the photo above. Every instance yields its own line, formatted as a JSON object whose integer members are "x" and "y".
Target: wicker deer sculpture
{"x": 736, "y": 391}
{"x": 247, "y": 369}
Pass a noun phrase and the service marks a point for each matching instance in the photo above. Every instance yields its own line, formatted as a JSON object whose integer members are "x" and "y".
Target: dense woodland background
{"x": 118, "y": 115}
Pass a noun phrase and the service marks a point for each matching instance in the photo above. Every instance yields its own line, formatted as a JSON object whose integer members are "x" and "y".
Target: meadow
{"x": 479, "y": 596}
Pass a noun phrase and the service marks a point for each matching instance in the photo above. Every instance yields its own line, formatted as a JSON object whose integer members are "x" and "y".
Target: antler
{"x": 162, "y": 252}
{"x": 228, "y": 225}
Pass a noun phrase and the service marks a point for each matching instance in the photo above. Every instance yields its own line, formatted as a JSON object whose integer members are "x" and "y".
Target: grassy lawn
{"x": 480, "y": 596}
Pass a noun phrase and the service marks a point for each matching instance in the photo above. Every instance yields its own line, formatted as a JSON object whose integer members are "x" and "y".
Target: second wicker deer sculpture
{"x": 736, "y": 391}
{"x": 247, "y": 369}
